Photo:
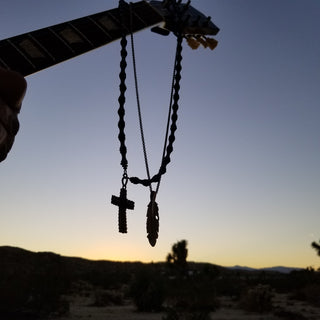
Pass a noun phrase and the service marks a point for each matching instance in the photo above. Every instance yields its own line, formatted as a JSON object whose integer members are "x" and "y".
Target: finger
{"x": 12, "y": 88}
{"x": 9, "y": 126}
{"x": 6, "y": 142}
{"x": 8, "y": 118}
{"x": 3, "y": 134}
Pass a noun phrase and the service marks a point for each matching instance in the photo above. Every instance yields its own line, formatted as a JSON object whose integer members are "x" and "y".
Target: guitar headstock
{"x": 183, "y": 18}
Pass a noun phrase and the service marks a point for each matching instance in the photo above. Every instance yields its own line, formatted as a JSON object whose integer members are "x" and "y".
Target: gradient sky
{"x": 243, "y": 186}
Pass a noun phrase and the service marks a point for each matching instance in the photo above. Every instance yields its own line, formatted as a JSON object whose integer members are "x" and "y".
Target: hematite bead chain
{"x": 122, "y": 100}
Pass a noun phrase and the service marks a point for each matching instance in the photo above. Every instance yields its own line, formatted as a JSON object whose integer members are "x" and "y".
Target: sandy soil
{"x": 115, "y": 313}
{"x": 281, "y": 302}
{"x": 80, "y": 309}
{"x": 129, "y": 313}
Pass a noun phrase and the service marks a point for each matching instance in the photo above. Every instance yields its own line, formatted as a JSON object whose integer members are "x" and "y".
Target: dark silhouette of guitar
{"x": 36, "y": 50}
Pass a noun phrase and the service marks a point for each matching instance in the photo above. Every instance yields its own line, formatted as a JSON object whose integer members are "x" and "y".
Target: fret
{"x": 82, "y": 36}
{"x": 71, "y": 38}
{"x": 65, "y": 37}
{"x": 149, "y": 18}
{"x": 41, "y": 46}
{"x": 32, "y": 51}
{"x": 90, "y": 30}
{"x": 103, "y": 30}
{"x": 14, "y": 59}
{"x": 11, "y": 43}
{"x": 51, "y": 46}
{"x": 109, "y": 23}
{"x": 134, "y": 14}
{"x": 3, "y": 64}
{"x": 29, "y": 48}
{"x": 106, "y": 24}
{"x": 40, "y": 49}
{"x": 124, "y": 22}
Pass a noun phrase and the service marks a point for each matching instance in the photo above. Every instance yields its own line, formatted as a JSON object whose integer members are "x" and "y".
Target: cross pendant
{"x": 123, "y": 203}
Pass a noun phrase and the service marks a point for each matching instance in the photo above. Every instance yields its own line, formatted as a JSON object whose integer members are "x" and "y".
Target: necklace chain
{"x": 122, "y": 202}
{"x": 173, "y": 112}
{"x": 138, "y": 103}
{"x": 174, "y": 117}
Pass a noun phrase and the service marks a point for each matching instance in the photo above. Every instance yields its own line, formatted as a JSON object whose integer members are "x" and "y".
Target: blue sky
{"x": 244, "y": 182}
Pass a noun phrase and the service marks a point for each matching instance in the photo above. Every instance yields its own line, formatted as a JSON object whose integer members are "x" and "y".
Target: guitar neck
{"x": 34, "y": 51}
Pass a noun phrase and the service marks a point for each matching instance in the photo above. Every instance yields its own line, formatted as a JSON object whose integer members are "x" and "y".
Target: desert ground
{"x": 42, "y": 285}
{"x": 284, "y": 308}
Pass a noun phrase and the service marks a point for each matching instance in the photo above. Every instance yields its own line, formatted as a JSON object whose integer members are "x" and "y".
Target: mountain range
{"x": 21, "y": 256}
{"x": 270, "y": 269}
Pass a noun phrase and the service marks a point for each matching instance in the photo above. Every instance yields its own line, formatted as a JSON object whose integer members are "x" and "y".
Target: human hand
{"x": 12, "y": 90}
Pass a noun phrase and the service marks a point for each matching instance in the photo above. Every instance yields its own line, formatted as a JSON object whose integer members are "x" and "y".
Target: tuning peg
{"x": 202, "y": 41}
{"x": 193, "y": 43}
{"x": 212, "y": 43}
{"x": 206, "y": 23}
{"x": 166, "y": 3}
{"x": 186, "y": 6}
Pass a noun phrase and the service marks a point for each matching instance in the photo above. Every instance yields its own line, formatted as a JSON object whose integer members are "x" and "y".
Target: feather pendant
{"x": 152, "y": 221}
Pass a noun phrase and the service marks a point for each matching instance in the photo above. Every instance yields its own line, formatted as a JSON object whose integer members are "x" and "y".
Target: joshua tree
{"x": 178, "y": 256}
{"x": 316, "y": 246}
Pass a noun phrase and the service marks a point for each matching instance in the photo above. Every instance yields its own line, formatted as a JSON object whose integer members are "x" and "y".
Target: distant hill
{"x": 16, "y": 258}
{"x": 13, "y": 258}
{"x": 33, "y": 285}
{"x": 282, "y": 269}
{"x": 271, "y": 269}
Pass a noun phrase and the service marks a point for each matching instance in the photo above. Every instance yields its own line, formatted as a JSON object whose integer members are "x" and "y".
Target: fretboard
{"x": 34, "y": 51}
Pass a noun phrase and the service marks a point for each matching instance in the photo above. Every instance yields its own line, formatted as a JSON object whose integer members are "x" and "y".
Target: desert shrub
{"x": 229, "y": 286}
{"x": 104, "y": 298}
{"x": 302, "y": 278}
{"x": 14, "y": 293}
{"x": 306, "y": 286}
{"x": 310, "y": 294}
{"x": 173, "y": 314}
{"x": 35, "y": 292}
{"x": 257, "y": 299}
{"x": 25, "y": 297}
{"x": 147, "y": 291}
{"x": 192, "y": 298}
{"x": 81, "y": 288}
{"x": 289, "y": 315}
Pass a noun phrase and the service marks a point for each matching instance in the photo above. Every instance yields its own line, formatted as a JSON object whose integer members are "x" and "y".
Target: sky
{"x": 243, "y": 185}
